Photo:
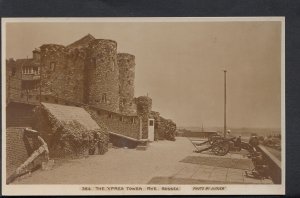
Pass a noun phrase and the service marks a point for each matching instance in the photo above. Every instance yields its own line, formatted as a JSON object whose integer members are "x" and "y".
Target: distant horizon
{"x": 229, "y": 127}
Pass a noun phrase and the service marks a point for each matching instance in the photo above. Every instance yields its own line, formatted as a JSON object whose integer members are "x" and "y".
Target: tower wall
{"x": 144, "y": 108}
{"x": 62, "y": 72}
{"x": 126, "y": 65}
{"x": 103, "y": 75}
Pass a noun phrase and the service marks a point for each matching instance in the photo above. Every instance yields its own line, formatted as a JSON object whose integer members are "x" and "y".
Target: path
{"x": 159, "y": 164}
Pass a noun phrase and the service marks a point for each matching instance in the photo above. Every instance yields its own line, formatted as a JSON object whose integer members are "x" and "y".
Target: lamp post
{"x": 225, "y": 103}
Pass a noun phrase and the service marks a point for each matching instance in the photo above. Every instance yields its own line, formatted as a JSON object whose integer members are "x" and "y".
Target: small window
{"x": 133, "y": 120}
{"x": 110, "y": 116}
{"x": 13, "y": 71}
{"x": 123, "y": 102}
{"x": 104, "y": 99}
{"x": 113, "y": 66}
{"x": 151, "y": 123}
{"x": 52, "y": 66}
{"x": 121, "y": 118}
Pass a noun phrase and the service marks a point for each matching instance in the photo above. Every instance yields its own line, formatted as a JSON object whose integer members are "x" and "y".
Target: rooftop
{"x": 83, "y": 42}
{"x": 69, "y": 114}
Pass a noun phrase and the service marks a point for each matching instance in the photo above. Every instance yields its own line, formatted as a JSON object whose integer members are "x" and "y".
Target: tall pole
{"x": 225, "y": 103}
{"x": 40, "y": 83}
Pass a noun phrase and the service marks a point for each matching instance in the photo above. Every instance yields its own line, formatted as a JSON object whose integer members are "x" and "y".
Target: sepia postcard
{"x": 143, "y": 106}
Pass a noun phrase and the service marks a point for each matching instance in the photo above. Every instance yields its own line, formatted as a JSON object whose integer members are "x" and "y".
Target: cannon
{"x": 221, "y": 146}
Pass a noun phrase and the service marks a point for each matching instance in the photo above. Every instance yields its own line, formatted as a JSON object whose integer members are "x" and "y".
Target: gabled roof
{"x": 67, "y": 115}
{"x": 83, "y": 42}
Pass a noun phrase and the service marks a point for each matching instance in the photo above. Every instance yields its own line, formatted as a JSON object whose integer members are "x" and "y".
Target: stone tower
{"x": 144, "y": 108}
{"x": 62, "y": 72}
{"x": 126, "y": 65}
{"x": 103, "y": 75}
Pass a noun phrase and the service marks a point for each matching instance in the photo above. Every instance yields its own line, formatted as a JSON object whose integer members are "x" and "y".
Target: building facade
{"x": 89, "y": 72}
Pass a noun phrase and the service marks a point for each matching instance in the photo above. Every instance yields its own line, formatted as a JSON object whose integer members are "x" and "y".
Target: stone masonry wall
{"x": 16, "y": 152}
{"x": 117, "y": 123}
{"x": 19, "y": 115}
{"x": 126, "y": 65}
{"x": 62, "y": 72}
{"x": 144, "y": 107}
{"x": 13, "y": 80}
{"x": 103, "y": 75}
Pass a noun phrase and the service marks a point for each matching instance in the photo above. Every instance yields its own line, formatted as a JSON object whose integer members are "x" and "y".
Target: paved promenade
{"x": 164, "y": 162}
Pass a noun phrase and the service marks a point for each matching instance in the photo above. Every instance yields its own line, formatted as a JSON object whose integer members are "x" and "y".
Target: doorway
{"x": 151, "y": 130}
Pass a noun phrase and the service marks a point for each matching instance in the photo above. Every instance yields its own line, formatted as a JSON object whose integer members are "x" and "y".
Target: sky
{"x": 180, "y": 65}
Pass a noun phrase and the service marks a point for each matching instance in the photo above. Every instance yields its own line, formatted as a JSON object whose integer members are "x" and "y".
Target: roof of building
{"x": 22, "y": 62}
{"x": 70, "y": 114}
{"x": 83, "y": 42}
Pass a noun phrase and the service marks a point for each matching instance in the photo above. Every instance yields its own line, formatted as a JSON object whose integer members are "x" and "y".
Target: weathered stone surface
{"x": 62, "y": 72}
{"x": 103, "y": 75}
{"x": 126, "y": 64}
{"x": 144, "y": 106}
{"x": 121, "y": 124}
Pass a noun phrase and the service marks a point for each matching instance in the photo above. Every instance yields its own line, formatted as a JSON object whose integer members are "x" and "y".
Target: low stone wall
{"x": 117, "y": 123}
{"x": 16, "y": 152}
{"x": 119, "y": 141}
{"x": 273, "y": 163}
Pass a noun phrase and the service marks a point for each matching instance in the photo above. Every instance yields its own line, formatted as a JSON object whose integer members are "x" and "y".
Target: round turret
{"x": 103, "y": 75}
{"x": 62, "y": 72}
{"x": 144, "y": 105}
{"x": 126, "y": 65}
{"x": 52, "y": 57}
